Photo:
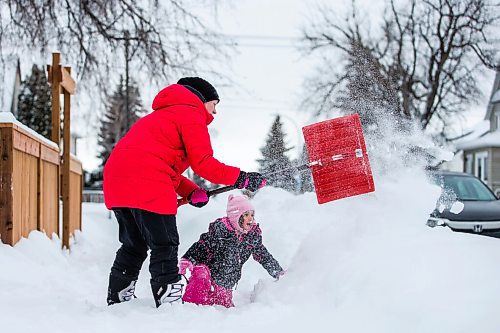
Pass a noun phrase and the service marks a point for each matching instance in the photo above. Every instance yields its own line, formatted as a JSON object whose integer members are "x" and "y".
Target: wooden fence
{"x": 29, "y": 193}
{"x": 96, "y": 196}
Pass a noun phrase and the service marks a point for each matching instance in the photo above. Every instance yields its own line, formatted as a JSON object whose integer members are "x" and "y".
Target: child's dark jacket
{"x": 224, "y": 253}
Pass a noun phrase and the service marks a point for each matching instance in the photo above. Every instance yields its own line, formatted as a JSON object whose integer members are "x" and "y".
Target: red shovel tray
{"x": 338, "y": 159}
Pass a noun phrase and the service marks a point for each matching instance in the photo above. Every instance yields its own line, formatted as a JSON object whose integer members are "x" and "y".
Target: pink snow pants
{"x": 202, "y": 290}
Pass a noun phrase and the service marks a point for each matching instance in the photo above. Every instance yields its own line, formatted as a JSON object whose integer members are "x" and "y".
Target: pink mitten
{"x": 198, "y": 197}
{"x": 185, "y": 264}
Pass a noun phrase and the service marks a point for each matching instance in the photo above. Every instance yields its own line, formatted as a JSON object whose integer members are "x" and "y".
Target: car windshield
{"x": 467, "y": 188}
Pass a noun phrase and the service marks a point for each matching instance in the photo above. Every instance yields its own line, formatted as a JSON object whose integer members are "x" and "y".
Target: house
{"x": 11, "y": 82}
{"x": 481, "y": 155}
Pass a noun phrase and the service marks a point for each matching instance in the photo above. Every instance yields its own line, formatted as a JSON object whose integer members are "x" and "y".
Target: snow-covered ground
{"x": 363, "y": 264}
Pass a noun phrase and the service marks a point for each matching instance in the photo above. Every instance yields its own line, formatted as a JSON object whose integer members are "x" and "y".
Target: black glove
{"x": 198, "y": 197}
{"x": 252, "y": 181}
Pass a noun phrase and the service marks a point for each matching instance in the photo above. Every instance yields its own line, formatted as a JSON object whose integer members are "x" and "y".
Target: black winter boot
{"x": 121, "y": 288}
{"x": 169, "y": 293}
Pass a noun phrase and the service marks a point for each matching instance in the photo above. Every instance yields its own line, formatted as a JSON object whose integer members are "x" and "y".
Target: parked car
{"x": 466, "y": 204}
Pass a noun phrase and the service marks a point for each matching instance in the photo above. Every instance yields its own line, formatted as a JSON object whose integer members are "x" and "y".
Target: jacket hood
{"x": 177, "y": 94}
{"x": 236, "y": 206}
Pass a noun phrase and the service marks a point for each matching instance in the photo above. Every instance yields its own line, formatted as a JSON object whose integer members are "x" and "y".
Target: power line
{"x": 261, "y": 101}
{"x": 268, "y": 41}
{"x": 276, "y": 46}
{"x": 253, "y": 107}
{"x": 263, "y": 37}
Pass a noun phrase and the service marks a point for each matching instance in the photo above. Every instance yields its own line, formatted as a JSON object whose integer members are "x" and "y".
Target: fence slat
{"x": 6, "y": 198}
{"x": 49, "y": 199}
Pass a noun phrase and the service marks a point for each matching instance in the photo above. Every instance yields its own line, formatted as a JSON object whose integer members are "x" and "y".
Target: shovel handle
{"x": 220, "y": 190}
{"x": 183, "y": 201}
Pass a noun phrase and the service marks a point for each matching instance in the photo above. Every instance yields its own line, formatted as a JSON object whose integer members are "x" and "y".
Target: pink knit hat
{"x": 236, "y": 206}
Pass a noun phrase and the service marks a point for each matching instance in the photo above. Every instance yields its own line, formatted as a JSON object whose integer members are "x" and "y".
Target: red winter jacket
{"x": 144, "y": 169}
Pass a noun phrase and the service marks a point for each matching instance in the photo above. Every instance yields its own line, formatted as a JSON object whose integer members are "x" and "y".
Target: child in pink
{"x": 216, "y": 259}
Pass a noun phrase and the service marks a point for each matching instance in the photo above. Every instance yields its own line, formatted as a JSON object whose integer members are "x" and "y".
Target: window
{"x": 467, "y": 188}
{"x": 481, "y": 167}
{"x": 497, "y": 121}
{"x": 468, "y": 163}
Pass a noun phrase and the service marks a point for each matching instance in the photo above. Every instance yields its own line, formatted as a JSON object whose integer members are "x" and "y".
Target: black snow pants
{"x": 140, "y": 230}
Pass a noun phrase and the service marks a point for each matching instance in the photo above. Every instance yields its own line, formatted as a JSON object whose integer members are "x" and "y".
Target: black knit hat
{"x": 204, "y": 90}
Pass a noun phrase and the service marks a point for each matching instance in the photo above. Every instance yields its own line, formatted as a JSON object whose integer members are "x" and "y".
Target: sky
{"x": 362, "y": 264}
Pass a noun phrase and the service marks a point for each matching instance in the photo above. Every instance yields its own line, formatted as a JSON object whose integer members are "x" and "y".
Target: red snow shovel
{"x": 337, "y": 158}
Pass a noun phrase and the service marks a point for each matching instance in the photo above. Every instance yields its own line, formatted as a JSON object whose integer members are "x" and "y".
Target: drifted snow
{"x": 8, "y": 117}
{"x": 362, "y": 264}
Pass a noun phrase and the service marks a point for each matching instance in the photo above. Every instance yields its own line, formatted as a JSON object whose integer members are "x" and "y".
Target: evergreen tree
{"x": 116, "y": 122}
{"x": 274, "y": 159}
{"x": 305, "y": 177}
{"x": 35, "y": 107}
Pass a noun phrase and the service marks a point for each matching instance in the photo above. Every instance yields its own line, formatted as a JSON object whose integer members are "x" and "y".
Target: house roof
{"x": 495, "y": 94}
{"x": 475, "y": 133}
{"x": 489, "y": 139}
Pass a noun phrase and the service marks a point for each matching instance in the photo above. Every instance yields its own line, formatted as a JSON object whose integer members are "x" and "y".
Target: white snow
{"x": 457, "y": 207}
{"x": 441, "y": 207}
{"x": 362, "y": 264}
{"x": 490, "y": 139}
{"x": 8, "y": 117}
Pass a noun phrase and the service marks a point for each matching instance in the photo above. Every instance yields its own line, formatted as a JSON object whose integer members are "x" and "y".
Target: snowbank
{"x": 363, "y": 264}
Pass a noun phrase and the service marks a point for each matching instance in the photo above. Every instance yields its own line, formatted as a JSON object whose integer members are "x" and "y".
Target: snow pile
{"x": 366, "y": 263}
{"x": 362, "y": 264}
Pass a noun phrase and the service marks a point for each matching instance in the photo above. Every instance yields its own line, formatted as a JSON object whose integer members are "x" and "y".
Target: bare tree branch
{"x": 165, "y": 37}
{"x": 422, "y": 65}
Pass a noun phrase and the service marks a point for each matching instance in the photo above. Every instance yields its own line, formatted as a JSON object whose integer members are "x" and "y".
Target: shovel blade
{"x": 338, "y": 158}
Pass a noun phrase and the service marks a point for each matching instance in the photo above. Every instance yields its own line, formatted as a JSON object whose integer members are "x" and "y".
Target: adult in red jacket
{"x": 142, "y": 179}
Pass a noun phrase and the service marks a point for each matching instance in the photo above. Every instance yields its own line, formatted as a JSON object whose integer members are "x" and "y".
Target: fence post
{"x": 66, "y": 166}
{"x": 55, "y": 78}
{"x": 62, "y": 82}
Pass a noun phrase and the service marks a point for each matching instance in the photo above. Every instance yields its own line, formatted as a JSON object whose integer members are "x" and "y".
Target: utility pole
{"x": 127, "y": 122}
